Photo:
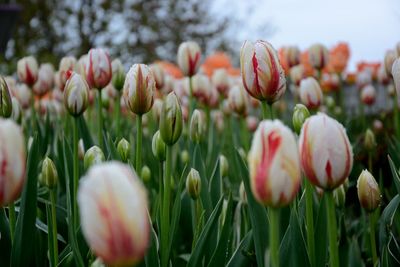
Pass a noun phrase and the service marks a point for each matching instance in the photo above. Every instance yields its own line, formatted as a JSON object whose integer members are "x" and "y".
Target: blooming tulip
{"x": 113, "y": 211}
{"x": 274, "y": 164}
{"x": 27, "y": 69}
{"x": 45, "y": 80}
{"x": 310, "y": 93}
{"x": 318, "y": 56}
{"x": 325, "y": 151}
{"x": 66, "y": 67}
{"x": 76, "y": 95}
{"x": 368, "y": 191}
{"x": 189, "y": 55}
{"x": 368, "y": 95}
{"x": 98, "y": 68}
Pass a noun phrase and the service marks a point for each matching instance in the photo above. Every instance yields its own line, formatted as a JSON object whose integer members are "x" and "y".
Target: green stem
{"x": 310, "y": 222}
{"x": 264, "y": 107}
{"x": 166, "y": 205}
{"x": 12, "y": 219}
{"x": 118, "y": 114}
{"x": 53, "y": 199}
{"x": 274, "y": 236}
{"x": 245, "y": 134}
{"x": 100, "y": 117}
{"x": 372, "y": 238}
{"x": 75, "y": 170}
{"x": 191, "y": 103}
{"x": 138, "y": 156}
{"x": 332, "y": 230}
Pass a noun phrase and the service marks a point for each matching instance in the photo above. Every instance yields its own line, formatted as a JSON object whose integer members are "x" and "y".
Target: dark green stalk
{"x": 166, "y": 204}
{"x": 310, "y": 222}
{"x": 274, "y": 236}
{"x": 53, "y": 200}
{"x": 138, "y": 156}
{"x": 100, "y": 118}
{"x": 332, "y": 230}
{"x": 12, "y": 219}
{"x": 75, "y": 170}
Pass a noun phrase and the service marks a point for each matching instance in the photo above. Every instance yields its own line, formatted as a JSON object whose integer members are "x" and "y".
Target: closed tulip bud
{"x": 159, "y": 75}
{"x": 66, "y": 67}
{"x": 300, "y": 115}
{"x": 274, "y": 164}
{"x": 16, "y": 111}
{"x": 396, "y": 76}
{"x": 171, "y": 120}
{"x": 242, "y": 193}
{"x": 45, "y": 81}
{"x": 27, "y": 69}
{"x": 118, "y": 74}
{"x": 93, "y": 155}
{"x": 185, "y": 158}
{"x": 12, "y": 161}
{"x": 220, "y": 80}
{"x": 368, "y": 95}
{"x": 193, "y": 184}
{"x": 5, "y": 99}
{"x": 98, "y": 68}
{"x": 292, "y": 55}
{"x": 139, "y": 89}
{"x": 114, "y": 214}
{"x": 189, "y": 56}
{"x": 237, "y": 100}
{"x": 223, "y": 166}
{"x": 81, "y": 149}
{"x": 390, "y": 57}
{"x": 49, "y": 173}
{"x": 124, "y": 149}
{"x": 369, "y": 194}
{"x": 197, "y": 126}
{"x": 318, "y": 56}
{"x": 262, "y": 74}
{"x": 76, "y": 95}
{"x": 369, "y": 140}
{"x": 325, "y": 151}
{"x": 339, "y": 195}
{"x": 158, "y": 147}
{"x": 145, "y": 174}
{"x": 310, "y": 93}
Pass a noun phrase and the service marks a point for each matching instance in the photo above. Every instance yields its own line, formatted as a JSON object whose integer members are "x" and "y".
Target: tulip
{"x": 27, "y": 69}
{"x": 118, "y": 74}
{"x": 98, "y": 68}
{"x": 390, "y": 57}
{"x": 5, "y": 99}
{"x": 201, "y": 87}
{"x": 171, "y": 120}
{"x": 158, "y": 147}
{"x": 326, "y": 164}
{"x": 197, "y": 126}
{"x": 49, "y": 175}
{"x": 156, "y": 109}
{"x": 310, "y": 93}
{"x": 124, "y": 149}
{"x": 185, "y": 157}
{"x": 189, "y": 55}
{"x": 23, "y": 95}
{"x": 369, "y": 194}
{"x": 252, "y": 123}
{"x": 76, "y": 95}
{"x": 16, "y": 111}
{"x": 220, "y": 80}
{"x": 159, "y": 75}
{"x": 368, "y": 95}
{"x": 363, "y": 78}
{"x": 93, "y": 156}
{"x": 114, "y": 213}
{"x": 318, "y": 56}
{"x": 292, "y": 55}
{"x": 237, "y": 100}
{"x": 193, "y": 184}
{"x": 300, "y": 115}
{"x": 369, "y": 140}
{"x": 262, "y": 74}
{"x": 66, "y": 67}
{"x": 45, "y": 80}
{"x": 296, "y": 74}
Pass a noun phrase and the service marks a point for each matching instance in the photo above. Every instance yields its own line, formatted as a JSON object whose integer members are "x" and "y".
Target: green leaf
{"x": 84, "y": 132}
{"x": 204, "y": 194}
{"x": 215, "y": 187}
{"x": 5, "y": 240}
{"x": 25, "y": 226}
{"x": 239, "y": 258}
{"x": 151, "y": 258}
{"x": 386, "y": 221}
{"x": 395, "y": 175}
{"x": 321, "y": 237}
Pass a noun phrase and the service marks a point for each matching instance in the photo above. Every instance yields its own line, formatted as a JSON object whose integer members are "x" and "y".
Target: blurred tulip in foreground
{"x": 98, "y": 68}
{"x": 189, "y": 55}
{"x": 310, "y": 93}
{"x": 369, "y": 194}
{"x": 390, "y": 57}
{"x": 27, "y": 69}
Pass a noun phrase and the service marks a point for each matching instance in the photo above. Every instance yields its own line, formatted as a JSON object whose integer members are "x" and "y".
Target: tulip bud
{"x": 300, "y": 114}
{"x": 197, "y": 127}
{"x": 274, "y": 164}
{"x": 49, "y": 173}
{"x": 158, "y": 147}
{"x": 156, "y": 109}
{"x": 193, "y": 184}
{"x": 220, "y": 80}
{"x": 12, "y": 161}
{"x": 171, "y": 120}
{"x": 368, "y": 95}
{"x": 159, "y": 75}
{"x": 292, "y": 55}
{"x": 223, "y": 166}
{"x": 66, "y": 67}
{"x": 262, "y": 74}
{"x": 5, "y": 99}
{"x": 114, "y": 214}
{"x": 81, "y": 149}
{"x": 296, "y": 74}
{"x": 330, "y": 102}
{"x": 93, "y": 156}
{"x": 201, "y": 87}
{"x": 318, "y": 56}
{"x": 76, "y": 95}
{"x": 189, "y": 55}
{"x": 369, "y": 140}
{"x": 45, "y": 80}
{"x": 16, "y": 111}
{"x": 139, "y": 89}
{"x": 310, "y": 93}
{"x": 325, "y": 151}
{"x": 118, "y": 74}
{"x": 124, "y": 149}
{"x": 27, "y": 69}
{"x": 185, "y": 157}
{"x": 145, "y": 174}
{"x": 98, "y": 69}
{"x": 396, "y": 76}
{"x": 237, "y": 100}
{"x": 369, "y": 194}
{"x": 339, "y": 195}
{"x": 390, "y": 57}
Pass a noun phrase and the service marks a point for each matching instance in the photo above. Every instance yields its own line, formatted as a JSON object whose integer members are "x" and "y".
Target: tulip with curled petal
{"x": 114, "y": 213}
{"x": 310, "y": 93}
{"x": 368, "y": 95}
{"x": 66, "y": 67}
{"x": 45, "y": 81}
{"x": 27, "y": 69}
{"x": 318, "y": 56}
{"x": 98, "y": 68}
{"x": 188, "y": 58}
{"x": 76, "y": 95}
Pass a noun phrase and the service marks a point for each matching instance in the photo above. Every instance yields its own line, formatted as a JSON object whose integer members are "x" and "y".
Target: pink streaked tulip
{"x": 76, "y": 95}
{"x": 262, "y": 74}
{"x": 27, "y": 69}
{"x": 139, "y": 88}
{"x": 66, "y": 67}
{"x": 114, "y": 213}
{"x": 220, "y": 80}
{"x": 325, "y": 151}
{"x": 189, "y": 56}
{"x": 368, "y": 95}
{"x": 45, "y": 80}
{"x": 396, "y": 76}
{"x": 318, "y": 56}
{"x": 12, "y": 161}
{"x": 310, "y": 93}
{"x": 237, "y": 100}
{"x": 98, "y": 69}
{"x": 274, "y": 164}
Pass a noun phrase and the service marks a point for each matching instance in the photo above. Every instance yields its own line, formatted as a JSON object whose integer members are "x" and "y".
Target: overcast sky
{"x": 369, "y": 26}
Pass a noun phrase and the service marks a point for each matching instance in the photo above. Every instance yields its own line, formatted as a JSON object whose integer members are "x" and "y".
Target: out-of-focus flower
{"x": 80, "y": 66}
{"x": 76, "y": 95}
{"x": 213, "y": 100}
{"x": 396, "y": 76}
{"x": 237, "y": 100}
{"x": 325, "y": 151}
{"x": 66, "y": 67}
{"x": 16, "y": 111}
{"x": 383, "y": 77}
{"x": 262, "y": 74}
{"x": 124, "y": 149}
{"x": 223, "y": 166}
{"x": 189, "y": 56}
{"x": 27, "y": 69}
{"x": 318, "y": 56}
{"x": 220, "y": 80}
{"x": 5, "y": 99}
{"x": 171, "y": 121}
{"x": 310, "y": 93}
{"x": 156, "y": 109}
{"x": 24, "y": 95}
{"x": 98, "y": 69}
{"x": 292, "y": 55}
{"x": 274, "y": 164}
{"x": 45, "y": 80}
{"x": 296, "y": 74}
{"x": 252, "y": 123}
{"x": 49, "y": 175}
{"x": 300, "y": 114}
{"x": 139, "y": 89}
{"x": 390, "y": 57}
{"x": 339, "y": 195}
{"x": 169, "y": 84}
{"x": 201, "y": 87}
{"x": 158, "y": 147}
{"x": 193, "y": 184}
{"x": 118, "y": 74}
{"x": 159, "y": 75}
{"x": 378, "y": 126}
{"x": 363, "y": 78}
{"x": 12, "y": 161}
{"x": 145, "y": 174}
{"x": 369, "y": 140}
{"x": 185, "y": 157}
{"x": 218, "y": 119}
{"x": 114, "y": 213}
{"x": 330, "y": 82}
{"x": 197, "y": 126}
{"x": 368, "y": 95}
{"x": 93, "y": 156}
{"x": 369, "y": 194}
